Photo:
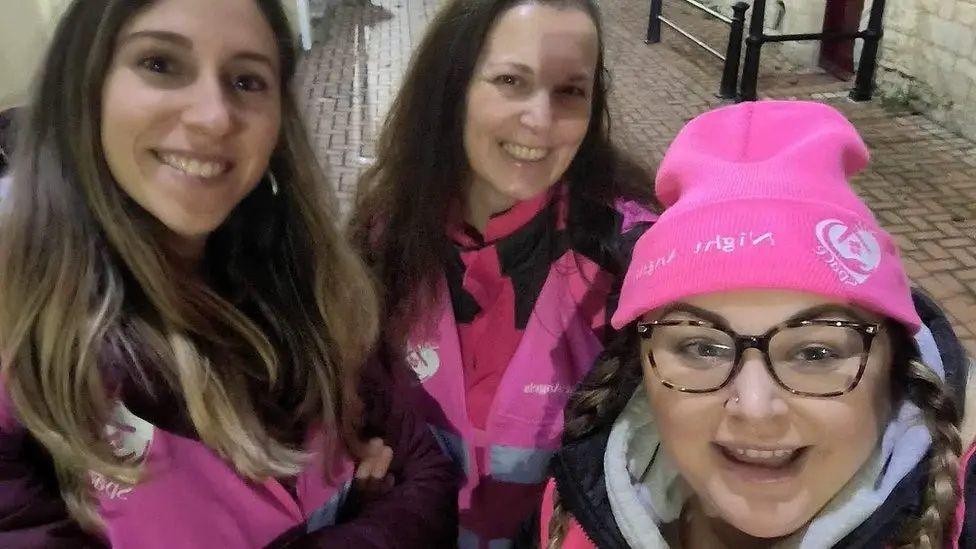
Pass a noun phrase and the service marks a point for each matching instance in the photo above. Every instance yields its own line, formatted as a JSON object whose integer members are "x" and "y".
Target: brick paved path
{"x": 922, "y": 183}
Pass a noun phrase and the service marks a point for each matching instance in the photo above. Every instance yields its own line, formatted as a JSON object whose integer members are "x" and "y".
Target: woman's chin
{"x": 767, "y": 525}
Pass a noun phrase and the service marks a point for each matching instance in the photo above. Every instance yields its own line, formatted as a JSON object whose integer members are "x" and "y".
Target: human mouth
{"x": 763, "y": 464}
{"x": 525, "y": 154}
{"x": 768, "y": 458}
{"x": 194, "y": 166}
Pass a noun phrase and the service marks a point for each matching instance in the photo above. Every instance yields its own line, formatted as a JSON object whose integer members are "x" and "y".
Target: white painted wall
{"x": 928, "y": 57}
{"x": 25, "y": 28}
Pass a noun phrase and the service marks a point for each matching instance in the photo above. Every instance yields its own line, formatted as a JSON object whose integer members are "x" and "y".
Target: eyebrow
{"x": 703, "y": 314}
{"x": 256, "y": 57}
{"x": 164, "y": 36}
{"x": 179, "y": 40}
{"x": 519, "y": 66}
{"x": 580, "y": 78}
{"x": 829, "y": 309}
{"x": 819, "y": 311}
{"x": 525, "y": 69}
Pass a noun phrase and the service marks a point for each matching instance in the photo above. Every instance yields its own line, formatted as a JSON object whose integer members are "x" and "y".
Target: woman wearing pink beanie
{"x": 775, "y": 382}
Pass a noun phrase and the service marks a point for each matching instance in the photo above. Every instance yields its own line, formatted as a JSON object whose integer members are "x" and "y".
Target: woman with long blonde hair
{"x": 181, "y": 324}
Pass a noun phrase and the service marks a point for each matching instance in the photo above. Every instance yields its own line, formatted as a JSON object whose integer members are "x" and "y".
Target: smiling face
{"x": 191, "y": 111}
{"x": 758, "y": 457}
{"x": 529, "y": 103}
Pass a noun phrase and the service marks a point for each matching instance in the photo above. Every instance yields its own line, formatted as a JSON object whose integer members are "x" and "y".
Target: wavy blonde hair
{"x": 599, "y": 400}
{"x": 288, "y": 317}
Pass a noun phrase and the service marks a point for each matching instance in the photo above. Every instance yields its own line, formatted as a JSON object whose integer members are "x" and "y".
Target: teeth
{"x": 192, "y": 166}
{"x": 763, "y": 454}
{"x": 528, "y": 154}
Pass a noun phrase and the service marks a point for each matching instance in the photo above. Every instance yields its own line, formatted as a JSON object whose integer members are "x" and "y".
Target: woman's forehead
{"x": 544, "y": 40}
{"x": 230, "y": 26}
{"x": 755, "y": 311}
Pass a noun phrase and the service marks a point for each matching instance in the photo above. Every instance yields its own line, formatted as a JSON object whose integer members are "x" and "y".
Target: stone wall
{"x": 928, "y": 59}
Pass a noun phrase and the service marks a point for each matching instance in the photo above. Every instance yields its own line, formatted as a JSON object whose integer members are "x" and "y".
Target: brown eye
{"x": 157, "y": 64}
{"x": 508, "y": 80}
{"x": 250, "y": 83}
{"x": 816, "y": 353}
{"x": 704, "y": 349}
{"x": 573, "y": 91}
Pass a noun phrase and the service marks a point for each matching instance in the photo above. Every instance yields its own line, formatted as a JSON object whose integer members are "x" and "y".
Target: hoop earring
{"x": 274, "y": 183}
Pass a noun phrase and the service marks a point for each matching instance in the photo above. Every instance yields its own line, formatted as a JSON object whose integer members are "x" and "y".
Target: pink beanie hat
{"x": 757, "y": 197}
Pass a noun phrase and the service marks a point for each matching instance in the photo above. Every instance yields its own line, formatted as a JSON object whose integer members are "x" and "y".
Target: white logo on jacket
{"x": 129, "y": 437}
{"x": 852, "y": 253}
{"x": 543, "y": 389}
{"x": 424, "y": 360}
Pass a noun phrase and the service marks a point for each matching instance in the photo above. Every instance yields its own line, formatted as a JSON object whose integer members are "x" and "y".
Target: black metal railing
{"x": 733, "y": 52}
{"x": 863, "y": 82}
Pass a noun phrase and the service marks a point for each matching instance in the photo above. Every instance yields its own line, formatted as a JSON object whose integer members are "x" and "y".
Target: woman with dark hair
{"x": 497, "y": 218}
{"x": 182, "y": 327}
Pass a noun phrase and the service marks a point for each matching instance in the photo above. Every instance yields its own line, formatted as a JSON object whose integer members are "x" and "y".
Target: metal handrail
{"x": 710, "y": 11}
{"x": 689, "y": 36}
{"x": 730, "y": 71}
{"x": 821, "y": 36}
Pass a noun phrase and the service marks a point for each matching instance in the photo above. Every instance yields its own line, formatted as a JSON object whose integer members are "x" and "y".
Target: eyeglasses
{"x": 817, "y": 358}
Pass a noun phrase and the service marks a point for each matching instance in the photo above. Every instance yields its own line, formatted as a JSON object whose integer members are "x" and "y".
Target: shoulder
{"x": 606, "y": 232}
{"x": 634, "y": 220}
{"x": 633, "y": 214}
{"x": 582, "y": 490}
{"x": 574, "y": 536}
{"x": 942, "y": 344}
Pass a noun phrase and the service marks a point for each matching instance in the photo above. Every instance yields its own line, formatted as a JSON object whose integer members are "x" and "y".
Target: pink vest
{"x": 506, "y": 463}
{"x": 189, "y": 497}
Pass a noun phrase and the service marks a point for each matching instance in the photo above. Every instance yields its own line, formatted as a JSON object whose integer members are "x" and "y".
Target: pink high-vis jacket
{"x": 504, "y": 464}
{"x": 190, "y": 497}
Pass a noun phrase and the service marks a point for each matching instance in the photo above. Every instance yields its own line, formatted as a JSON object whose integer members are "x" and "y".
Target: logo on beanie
{"x": 851, "y": 252}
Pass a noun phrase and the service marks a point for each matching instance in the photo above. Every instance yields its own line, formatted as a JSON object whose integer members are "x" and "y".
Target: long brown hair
{"x": 85, "y": 284}
{"x": 602, "y": 396}
{"x": 421, "y": 166}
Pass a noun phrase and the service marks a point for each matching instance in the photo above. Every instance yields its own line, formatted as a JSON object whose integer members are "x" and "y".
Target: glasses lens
{"x": 691, "y": 357}
{"x": 818, "y": 360}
